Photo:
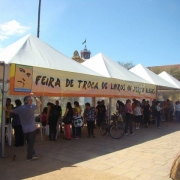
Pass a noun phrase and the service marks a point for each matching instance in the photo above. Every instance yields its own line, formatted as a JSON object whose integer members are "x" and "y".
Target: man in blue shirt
{"x": 26, "y": 114}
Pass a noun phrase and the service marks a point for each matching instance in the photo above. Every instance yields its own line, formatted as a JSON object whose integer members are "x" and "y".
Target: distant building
{"x": 173, "y": 70}
{"x": 85, "y": 54}
{"x": 76, "y": 57}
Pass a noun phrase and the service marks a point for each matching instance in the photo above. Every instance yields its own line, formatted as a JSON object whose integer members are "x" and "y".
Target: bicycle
{"x": 113, "y": 127}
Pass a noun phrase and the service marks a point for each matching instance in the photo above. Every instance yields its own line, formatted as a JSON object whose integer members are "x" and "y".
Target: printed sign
{"x": 48, "y": 82}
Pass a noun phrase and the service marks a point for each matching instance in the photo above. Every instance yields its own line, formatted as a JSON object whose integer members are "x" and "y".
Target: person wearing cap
{"x": 26, "y": 114}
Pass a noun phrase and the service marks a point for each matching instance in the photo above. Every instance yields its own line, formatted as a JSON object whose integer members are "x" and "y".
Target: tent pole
{"x": 4, "y": 91}
{"x": 93, "y": 101}
{"x": 110, "y": 105}
{"x": 156, "y": 93}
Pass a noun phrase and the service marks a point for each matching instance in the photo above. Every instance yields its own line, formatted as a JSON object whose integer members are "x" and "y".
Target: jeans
{"x": 90, "y": 126}
{"x": 30, "y": 138}
{"x": 128, "y": 121}
{"x": 76, "y": 131}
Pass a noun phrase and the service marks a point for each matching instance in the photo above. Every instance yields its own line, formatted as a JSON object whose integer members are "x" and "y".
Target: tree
{"x": 128, "y": 65}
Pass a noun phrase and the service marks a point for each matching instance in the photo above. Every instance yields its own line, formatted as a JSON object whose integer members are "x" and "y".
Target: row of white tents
{"x": 31, "y": 51}
{"x": 109, "y": 68}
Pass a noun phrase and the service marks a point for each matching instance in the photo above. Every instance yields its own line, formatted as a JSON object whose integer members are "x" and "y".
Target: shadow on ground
{"x": 55, "y": 156}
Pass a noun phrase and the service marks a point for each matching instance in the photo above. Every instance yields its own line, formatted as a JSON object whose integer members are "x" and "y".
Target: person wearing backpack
{"x": 54, "y": 112}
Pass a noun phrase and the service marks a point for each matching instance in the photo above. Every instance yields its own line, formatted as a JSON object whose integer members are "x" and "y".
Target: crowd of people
{"x": 132, "y": 113}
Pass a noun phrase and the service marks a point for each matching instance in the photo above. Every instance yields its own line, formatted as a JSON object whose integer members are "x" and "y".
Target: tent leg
{"x": 110, "y": 105}
{"x": 4, "y": 94}
{"x": 93, "y": 101}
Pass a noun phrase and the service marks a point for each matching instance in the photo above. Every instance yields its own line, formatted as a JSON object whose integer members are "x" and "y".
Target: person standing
{"x": 104, "y": 109}
{"x": 10, "y": 107}
{"x": 101, "y": 111}
{"x": 26, "y": 114}
{"x": 60, "y": 114}
{"x": 79, "y": 116}
{"x": 129, "y": 117}
{"x": 137, "y": 114}
{"x": 158, "y": 114}
{"x": 167, "y": 110}
{"x": 89, "y": 116}
{"x": 67, "y": 119}
{"x": 8, "y": 114}
{"x": 54, "y": 113}
{"x": 177, "y": 111}
{"x": 146, "y": 113}
{"x": 16, "y": 124}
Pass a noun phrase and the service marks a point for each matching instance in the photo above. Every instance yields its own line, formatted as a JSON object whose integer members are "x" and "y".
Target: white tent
{"x": 109, "y": 68}
{"x": 151, "y": 77}
{"x": 170, "y": 79}
{"x": 31, "y": 51}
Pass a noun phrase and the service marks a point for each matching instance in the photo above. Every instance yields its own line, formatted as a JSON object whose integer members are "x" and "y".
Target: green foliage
{"x": 128, "y": 65}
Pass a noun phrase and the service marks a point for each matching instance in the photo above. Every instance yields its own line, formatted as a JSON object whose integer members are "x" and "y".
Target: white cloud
{"x": 11, "y": 28}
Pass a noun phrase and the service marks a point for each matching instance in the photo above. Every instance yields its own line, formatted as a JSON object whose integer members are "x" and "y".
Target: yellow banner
{"x": 48, "y": 82}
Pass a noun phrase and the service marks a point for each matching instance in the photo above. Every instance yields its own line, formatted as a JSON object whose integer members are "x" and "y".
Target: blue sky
{"x": 140, "y": 31}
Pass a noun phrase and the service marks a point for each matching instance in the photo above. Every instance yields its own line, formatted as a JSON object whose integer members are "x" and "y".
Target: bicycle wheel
{"x": 116, "y": 131}
{"x": 103, "y": 128}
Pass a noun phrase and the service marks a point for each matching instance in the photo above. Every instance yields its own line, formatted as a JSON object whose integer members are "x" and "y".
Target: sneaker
{"x": 35, "y": 157}
{"x": 138, "y": 128}
{"x": 132, "y": 134}
{"x": 126, "y": 134}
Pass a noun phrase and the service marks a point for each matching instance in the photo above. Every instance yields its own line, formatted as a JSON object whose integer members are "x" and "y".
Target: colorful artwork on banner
{"x": 48, "y": 82}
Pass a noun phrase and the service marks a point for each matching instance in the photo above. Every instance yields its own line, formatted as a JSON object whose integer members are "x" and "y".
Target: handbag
{"x": 47, "y": 130}
{"x": 67, "y": 120}
{"x": 77, "y": 121}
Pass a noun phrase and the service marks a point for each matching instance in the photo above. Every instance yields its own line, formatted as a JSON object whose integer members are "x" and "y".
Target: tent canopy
{"x": 106, "y": 67}
{"x": 170, "y": 79}
{"x": 31, "y": 51}
{"x": 151, "y": 77}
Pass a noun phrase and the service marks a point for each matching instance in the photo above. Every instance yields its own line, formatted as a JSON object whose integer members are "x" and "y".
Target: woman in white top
{"x": 137, "y": 114}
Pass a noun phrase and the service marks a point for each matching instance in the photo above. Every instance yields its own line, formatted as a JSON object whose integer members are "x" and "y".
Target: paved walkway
{"x": 146, "y": 155}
